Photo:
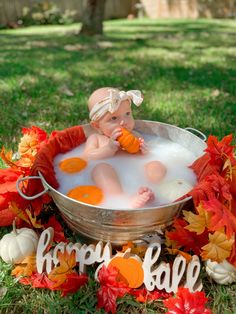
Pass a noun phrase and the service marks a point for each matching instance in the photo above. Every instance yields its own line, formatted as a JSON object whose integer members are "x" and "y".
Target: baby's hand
{"x": 116, "y": 133}
{"x": 143, "y": 146}
{"x": 113, "y": 145}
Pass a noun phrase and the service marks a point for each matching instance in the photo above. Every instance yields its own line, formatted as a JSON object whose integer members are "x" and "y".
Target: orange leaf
{"x": 66, "y": 264}
{"x": 218, "y": 248}
{"x": 26, "y": 268}
{"x": 197, "y": 223}
{"x": 19, "y": 212}
{"x": 33, "y": 221}
{"x": 221, "y": 217}
{"x": 187, "y": 256}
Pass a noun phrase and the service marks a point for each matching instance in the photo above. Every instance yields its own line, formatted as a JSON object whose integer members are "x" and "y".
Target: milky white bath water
{"x": 130, "y": 169}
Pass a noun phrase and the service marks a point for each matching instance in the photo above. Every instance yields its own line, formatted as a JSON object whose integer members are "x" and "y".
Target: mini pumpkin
{"x": 18, "y": 244}
{"x": 128, "y": 141}
{"x": 223, "y": 273}
{"x": 129, "y": 267}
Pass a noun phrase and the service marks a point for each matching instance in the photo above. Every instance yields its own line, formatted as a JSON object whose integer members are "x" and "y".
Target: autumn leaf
{"x": 212, "y": 186}
{"x": 227, "y": 170}
{"x": 219, "y": 151}
{"x": 186, "y": 239}
{"x": 73, "y": 282}
{"x": 59, "y": 235}
{"x": 221, "y": 217}
{"x": 33, "y": 220}
{"x": 19, "y": 212}
{"x": 37, "y": 280}
{"x": 26, "y": 268}
{"x": 187, "y": 256}
{"x": 66, "y": 264}
{"x": 134, "y": 249}
{"x": 186, "y": 302}
{"x": 31, "y": 141}
{"x": 110, "y": 289}
{"x": 71, "y": 285}
{"x": 143, "y": 295}
{"x": 218, "y": 248}
{"x": 197, "y": 223}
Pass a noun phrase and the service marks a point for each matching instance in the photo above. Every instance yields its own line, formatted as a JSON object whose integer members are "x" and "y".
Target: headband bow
{"x": 113, "y": 101}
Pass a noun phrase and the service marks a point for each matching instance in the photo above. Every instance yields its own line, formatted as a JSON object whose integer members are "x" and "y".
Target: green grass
{"x": 186, "y": 70}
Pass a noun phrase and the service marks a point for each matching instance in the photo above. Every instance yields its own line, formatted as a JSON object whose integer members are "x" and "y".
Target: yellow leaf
{"x": 197, "y": 223}
{"x": 218, "y": 248}
{"x": 18, "y": 212}
{"x": 228, "y": 170}
{"x": 33, "y": 221}
{"x": 66, "y": 264}
{"x": 26, "y": 267}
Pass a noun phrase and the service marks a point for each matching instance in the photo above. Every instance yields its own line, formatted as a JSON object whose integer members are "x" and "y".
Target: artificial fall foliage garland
{"x": 208, "y": 230}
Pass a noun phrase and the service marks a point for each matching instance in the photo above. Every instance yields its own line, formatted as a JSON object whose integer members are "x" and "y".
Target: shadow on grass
{"x": 166, "y": 61}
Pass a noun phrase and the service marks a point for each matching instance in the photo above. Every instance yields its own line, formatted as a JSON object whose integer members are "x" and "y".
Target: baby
{"x": 110, "y": 110}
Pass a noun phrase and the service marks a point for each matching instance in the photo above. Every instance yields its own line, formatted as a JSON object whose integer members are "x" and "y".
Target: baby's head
{"x": 110, "y": 108}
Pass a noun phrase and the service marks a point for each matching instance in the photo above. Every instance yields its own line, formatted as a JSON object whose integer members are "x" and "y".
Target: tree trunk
{"x": 92, "y": 19}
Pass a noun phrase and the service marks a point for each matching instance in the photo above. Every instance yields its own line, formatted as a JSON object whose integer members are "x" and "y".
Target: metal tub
{"x": 121, "y": 225}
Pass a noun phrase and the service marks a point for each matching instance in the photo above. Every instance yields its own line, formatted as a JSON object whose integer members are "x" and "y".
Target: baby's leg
{"x": 155, "y": 171}
{"x": 106, "y": 178}
{"x": 144, "y": 196}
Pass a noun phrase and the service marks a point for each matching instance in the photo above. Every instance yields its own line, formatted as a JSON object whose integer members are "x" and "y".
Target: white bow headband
{"x": 113, "y": 101}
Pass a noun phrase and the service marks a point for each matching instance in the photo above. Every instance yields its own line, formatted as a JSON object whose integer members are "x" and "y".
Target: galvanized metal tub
{"x": 121, "y": 225}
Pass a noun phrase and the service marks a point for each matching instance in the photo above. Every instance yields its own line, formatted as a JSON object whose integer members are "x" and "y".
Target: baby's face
{"x": 120, "y": 118}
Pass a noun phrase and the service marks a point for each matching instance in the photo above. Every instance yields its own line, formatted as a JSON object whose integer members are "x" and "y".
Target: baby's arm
{"x": 98, "y": 147}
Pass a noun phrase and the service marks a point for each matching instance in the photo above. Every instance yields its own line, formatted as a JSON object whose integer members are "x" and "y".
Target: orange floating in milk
{"x": 72, "y": 165}
{"x": 88, "y": 194}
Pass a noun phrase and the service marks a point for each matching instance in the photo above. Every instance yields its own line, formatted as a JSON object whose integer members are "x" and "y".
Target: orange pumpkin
{"x": 88, "y": 194}
{"x": 130, "y": 269}
{"x": 129, "y": 142}
{"x": 72, "y": 165}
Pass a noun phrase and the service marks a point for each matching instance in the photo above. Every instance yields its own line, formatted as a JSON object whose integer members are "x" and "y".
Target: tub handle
{"x": 25, "y": 196}
{"x": 197, "y": 132}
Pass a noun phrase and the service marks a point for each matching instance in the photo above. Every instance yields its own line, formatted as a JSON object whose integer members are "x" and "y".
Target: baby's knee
{"x": 155, "y": 171}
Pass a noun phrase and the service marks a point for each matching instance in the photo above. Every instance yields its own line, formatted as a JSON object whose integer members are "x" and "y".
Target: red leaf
{"x": 219, "y": 150}
{"x": 73, "y": 283}
{"x": 212, "y": 186}
{"x": 38, "y": 281}
{"x": 143, "y": 295}
{"x": 59, "y": 235}
{"x": 221, "y": 217}
{"x": 6, "y": 217}
{"x": 186, "y": 302}
{"x": 110, "y": 288}
{"x": 185, "y": 238}
{"x": 8, "y": 178}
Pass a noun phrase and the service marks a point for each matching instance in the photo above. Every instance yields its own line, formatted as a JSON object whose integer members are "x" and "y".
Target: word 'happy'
{"x": 160, "y": 276}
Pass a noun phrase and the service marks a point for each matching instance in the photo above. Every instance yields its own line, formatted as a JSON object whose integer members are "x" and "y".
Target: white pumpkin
{"x": 223, "y": 273}
{"x": 172, "y": 190}
{"x": 18, "y": 244}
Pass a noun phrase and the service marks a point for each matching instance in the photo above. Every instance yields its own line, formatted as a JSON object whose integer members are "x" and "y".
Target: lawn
{"x": 186, "y": 70}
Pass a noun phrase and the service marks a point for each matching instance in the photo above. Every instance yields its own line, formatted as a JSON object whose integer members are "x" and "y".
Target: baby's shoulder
{"x": 96, "y": 137}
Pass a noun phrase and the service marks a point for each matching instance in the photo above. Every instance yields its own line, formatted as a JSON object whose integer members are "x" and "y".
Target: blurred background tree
{"x": 92, "y": 18}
